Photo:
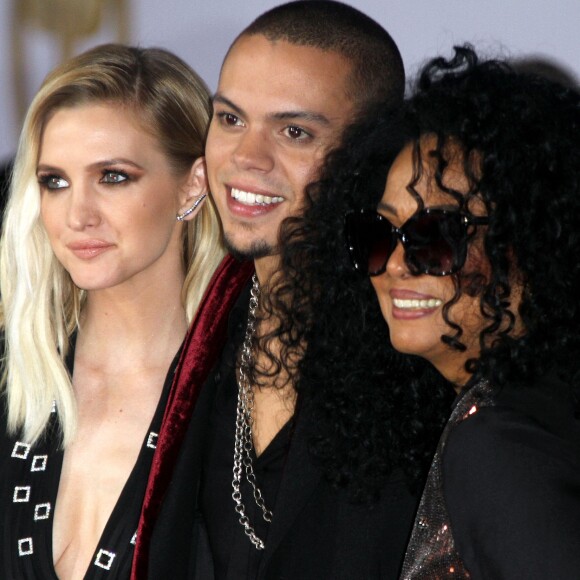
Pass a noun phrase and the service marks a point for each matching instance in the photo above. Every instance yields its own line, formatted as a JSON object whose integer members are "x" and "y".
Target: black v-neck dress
{"x": 29, "y": 480}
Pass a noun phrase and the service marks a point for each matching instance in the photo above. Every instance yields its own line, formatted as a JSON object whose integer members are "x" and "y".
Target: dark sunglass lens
{"x": 370, "y": 241}
{"x": 436, "y": 242}
{"x": 380, "y": 248}
{"x": 381, "y": 242}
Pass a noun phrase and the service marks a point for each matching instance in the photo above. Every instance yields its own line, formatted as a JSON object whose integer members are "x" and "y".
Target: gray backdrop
{"x": 201, "y": 31}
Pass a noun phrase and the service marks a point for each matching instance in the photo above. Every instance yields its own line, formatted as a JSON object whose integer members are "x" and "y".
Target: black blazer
{"x": 316, "y": 533}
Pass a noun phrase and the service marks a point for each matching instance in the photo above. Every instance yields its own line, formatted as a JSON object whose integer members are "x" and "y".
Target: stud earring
{"x": 181, "y": 216}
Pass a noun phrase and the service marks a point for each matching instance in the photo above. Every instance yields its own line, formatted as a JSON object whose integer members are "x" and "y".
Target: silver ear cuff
{"x": 181, "y": 216}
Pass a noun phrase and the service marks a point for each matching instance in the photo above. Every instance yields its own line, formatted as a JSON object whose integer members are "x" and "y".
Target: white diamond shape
{"x": 41, "y": 511}
{"x": 104, "y": 559}
{"x": 21, "y": 494}
{"x": 39, "y": 463}
{"x": 20, "y": 450}
{"x": 25, "y": 547}
{"x": 152, "y": 440}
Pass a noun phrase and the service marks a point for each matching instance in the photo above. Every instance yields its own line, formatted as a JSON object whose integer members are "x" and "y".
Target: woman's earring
{"x": 181, "y": 216}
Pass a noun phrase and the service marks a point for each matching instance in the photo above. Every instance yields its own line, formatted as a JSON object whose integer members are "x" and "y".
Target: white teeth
{"x": 417, "y": 304}
{"x": 248, "y": 198}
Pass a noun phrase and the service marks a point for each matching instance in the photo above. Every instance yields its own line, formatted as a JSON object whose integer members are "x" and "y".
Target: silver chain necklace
{"x": 243, "y": 464}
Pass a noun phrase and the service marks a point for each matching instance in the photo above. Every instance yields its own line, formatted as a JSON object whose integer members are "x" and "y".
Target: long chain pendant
{"x": 243, "y": 443}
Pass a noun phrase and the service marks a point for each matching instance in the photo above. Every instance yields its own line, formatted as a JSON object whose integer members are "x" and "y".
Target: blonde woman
{"x": 109, "y": 242}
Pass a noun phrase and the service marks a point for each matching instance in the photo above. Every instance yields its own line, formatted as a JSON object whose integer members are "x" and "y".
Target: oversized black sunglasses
{"x": 434, "y": 240}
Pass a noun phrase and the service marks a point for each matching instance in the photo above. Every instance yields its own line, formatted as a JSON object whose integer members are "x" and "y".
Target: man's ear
{"x": 195, "y": 191}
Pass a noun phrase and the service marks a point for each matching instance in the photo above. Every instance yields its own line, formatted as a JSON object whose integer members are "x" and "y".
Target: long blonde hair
{"x": 41, "y": 304}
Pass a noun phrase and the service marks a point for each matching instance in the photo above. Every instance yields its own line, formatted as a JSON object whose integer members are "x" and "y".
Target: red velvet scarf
{"x": 203, "y": 345}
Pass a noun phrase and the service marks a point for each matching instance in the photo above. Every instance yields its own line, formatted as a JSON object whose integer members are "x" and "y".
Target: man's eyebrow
{"x": 220, "y": 99}
{"x": 310, "y": 116}
{"x": 301, "y": 116}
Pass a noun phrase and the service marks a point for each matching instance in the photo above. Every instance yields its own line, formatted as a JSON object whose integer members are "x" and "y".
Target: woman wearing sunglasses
{"x": 474, "y": 254}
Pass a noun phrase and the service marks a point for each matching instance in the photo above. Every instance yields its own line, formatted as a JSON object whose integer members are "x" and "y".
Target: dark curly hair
{"x": 518, "y": 135}
{"x": 375, "y": 410}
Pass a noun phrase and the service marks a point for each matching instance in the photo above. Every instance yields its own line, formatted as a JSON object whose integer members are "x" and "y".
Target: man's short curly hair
{"x": 377, "y": 67}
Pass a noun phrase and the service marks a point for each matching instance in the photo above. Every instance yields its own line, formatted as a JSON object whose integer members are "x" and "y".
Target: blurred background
{"x": 36, "y": 34}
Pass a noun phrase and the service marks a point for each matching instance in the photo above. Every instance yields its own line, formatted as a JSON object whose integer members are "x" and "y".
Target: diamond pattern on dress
{"x": 152, "y": 440}
{"x": 21, "y": 450}
{"x": 104, "y": 559}
{"x": 41, "y": 511}
{"x": 25, "y": 547}
{"x": 39, "y": 463}
{"x": 34, "y": 482}
{"x": 21, "y": 494}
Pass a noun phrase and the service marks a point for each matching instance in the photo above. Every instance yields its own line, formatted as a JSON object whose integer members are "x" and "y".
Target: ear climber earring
{"x": 181, "y": 216}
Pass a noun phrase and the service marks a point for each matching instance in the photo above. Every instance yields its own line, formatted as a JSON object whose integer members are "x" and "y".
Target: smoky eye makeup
{"x": 114, "y": 176}
{"x": 51, "y": 181}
